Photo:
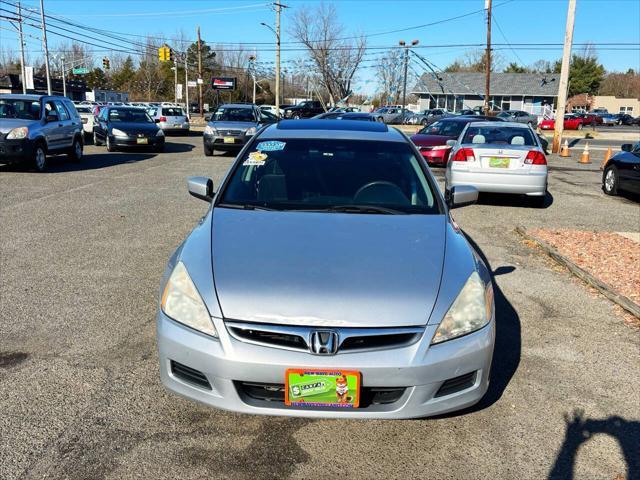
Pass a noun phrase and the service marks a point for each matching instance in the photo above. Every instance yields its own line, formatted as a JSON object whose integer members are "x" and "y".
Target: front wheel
{"x": 96, "y": 142}
{"x": 208, "y": 151}
{"x": 610, "y": 182}
{"x": 579, "y": 126}
{"x": 424, "y": 122}
{"x": 110, "y": 146}
{"x": 75, "y": 154}
{"x": 381, "y": 120}
{"x": 40, "y": 158}
{"x": 296, "y": 116}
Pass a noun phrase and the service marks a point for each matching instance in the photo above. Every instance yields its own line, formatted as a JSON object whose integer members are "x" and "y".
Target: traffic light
{"x": 165, "y": 54}
{"x": 105, "y": 63}
{"x": 170, "y": 55}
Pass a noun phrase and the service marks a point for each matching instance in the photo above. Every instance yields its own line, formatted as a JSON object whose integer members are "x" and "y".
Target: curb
{"x": 583, "y": 275}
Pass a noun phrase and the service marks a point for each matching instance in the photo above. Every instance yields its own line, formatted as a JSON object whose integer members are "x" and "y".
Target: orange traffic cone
{"x": 565, "y": 152}
{"x": 585, "y": 158}
{"x": 607, "y": 156}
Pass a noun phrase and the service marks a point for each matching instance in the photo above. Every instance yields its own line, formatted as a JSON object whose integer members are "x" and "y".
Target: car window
{"x": 233, "y": 114}
{"x": 23, "y": 109}
{"x": 496, "y": 135}
{"x": 50, "y": 109}
{"x": 62, "y": 111}
{"x": 172, "y": 112}
{"x": 442, "y": 127}
{"x": 83, "y": 109}
{"x": 267, "y": 115}
{"x": 126, "y": 115}
{"x": 317, "y": 174}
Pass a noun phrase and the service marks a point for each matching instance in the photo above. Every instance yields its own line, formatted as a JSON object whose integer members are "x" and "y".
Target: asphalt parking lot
{"x": 82, "y": 249}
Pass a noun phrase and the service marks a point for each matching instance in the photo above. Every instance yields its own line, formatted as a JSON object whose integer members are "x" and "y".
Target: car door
{"x": 101, "y": 125}
{"x": 629, "y": 170}
{"x": 52, "y": 127}
{"x": 66, "y": 124}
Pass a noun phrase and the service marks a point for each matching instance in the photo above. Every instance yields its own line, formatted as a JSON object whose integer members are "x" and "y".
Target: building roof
{"x": 472, "y": 83}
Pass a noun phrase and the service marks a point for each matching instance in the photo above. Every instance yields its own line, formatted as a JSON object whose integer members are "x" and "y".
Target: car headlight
{"x": 209, "y": 130}
{"x": 182, "y": 302}
{"x": 250, "y": 131}
{"x": 160, "y": 133}
{"x": 18, "y": 133}
{"x": 471, "y": 311}
{"x": 118, "y": 133}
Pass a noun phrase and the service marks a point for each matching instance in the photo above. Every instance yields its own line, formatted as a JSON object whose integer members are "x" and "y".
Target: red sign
{"x": 223, "y": 83}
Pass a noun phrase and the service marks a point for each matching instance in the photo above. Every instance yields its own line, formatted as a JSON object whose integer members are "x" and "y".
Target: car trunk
{"x": 509, "y": 159}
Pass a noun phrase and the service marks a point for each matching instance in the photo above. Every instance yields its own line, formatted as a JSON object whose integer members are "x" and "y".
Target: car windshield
{"x": 233, "y": 114}
{"x": 121, "y": 115}
{"x": 23, "y": 109}
{"x": 495, "y": 135}
{"x": 330, "y": 175}
{"x": 444, "y": 128}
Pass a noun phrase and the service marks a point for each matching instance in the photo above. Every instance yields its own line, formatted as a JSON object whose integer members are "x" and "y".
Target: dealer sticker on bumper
{"x": 322, "y": 388}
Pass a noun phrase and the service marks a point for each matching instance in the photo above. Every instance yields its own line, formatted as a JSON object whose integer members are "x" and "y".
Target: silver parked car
{"x": 391, "y": 115}
{"x": 519, "y": 116}
{"x": 500, "y": 158}
{"x": 427, "y": 117}
{"x": 318, "y": 283}
{"x": 170, "y": 119}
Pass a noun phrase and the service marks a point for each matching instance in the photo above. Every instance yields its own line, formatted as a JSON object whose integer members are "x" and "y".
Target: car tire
{"x": 159, "y": 148}
{"x": 424, "y": 122}
{"x": 96, "y": 142}
{"x": 75, "y": 154}
{"x": 208, "y": 152}
{"x": 580, "y": 126}
{"x": 539, "y": 201}
{"x": 110, "y": 146}
{"x": 40, "y": 157}
{"x": 296, "y": 116}
{"x": 610, "y": 180}
{"x": 380, "y": 119}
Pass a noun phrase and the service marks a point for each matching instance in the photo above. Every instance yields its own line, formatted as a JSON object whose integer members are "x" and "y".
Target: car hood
{"x": 232, "y": 125}
{"x": 8, "y": 124}
{"x": 333, "y": 269}
{"x": 430, "y": 140}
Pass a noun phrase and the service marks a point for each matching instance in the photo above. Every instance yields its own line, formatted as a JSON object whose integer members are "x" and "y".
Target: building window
{"x": 626, "y": 110}
{"x": 459, "y": 103}
{"x": 442, "y": 101}
{"x": 506, "y": 103}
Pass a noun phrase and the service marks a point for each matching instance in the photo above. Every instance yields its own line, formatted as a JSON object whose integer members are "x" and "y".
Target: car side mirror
{"x": 51, "y": 118}
{"x": 461, "y": 196}
{"x": 201, "y": 187}
{"x": 626, "y": 147}
{"x": 156, "y": 120}
{"x": 452, "y": 143}
{"x": 207, "y": 118}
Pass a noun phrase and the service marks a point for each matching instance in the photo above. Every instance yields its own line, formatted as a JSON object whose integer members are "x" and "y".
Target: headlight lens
{"x": 250, "y": 131}
{"x": 471, "y": 311}
{"x": 18, "y": 133}
{"x": 182, "y": 302}
{"x": 209, "y": 130}
{"x": 160, "y": 133}
{"x": 118, "y": 133}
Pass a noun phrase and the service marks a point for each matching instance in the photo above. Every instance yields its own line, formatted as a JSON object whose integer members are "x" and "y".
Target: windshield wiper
{"x": 246, "y": 206}
{"x": 361, "y": 209}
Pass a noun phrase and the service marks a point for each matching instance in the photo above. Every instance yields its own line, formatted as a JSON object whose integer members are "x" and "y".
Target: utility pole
{"x": 200, "y": 74}
{"x": 24, "y": 75}
{"x": 278, "y": 8}
{"x": 406, "y": 66}
{"x": 46, "y": 48}
{"x": 64, "y": 77}
{"x": 175, "y": 79}
{"x": 186, "y": 83}
{"x": 487, "y": 80}
{"x": 564, "y": 78}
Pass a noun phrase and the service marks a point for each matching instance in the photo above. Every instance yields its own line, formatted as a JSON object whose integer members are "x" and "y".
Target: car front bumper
{"x": 15, "y": 150}
{"x": 218, "y": 142}
{"x": 533, "y": 183}
{"x": 418, "y": 369}
{"x": 153, "y": 141}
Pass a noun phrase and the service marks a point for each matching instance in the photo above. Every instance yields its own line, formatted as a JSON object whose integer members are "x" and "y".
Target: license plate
{"x": 229, "y": 140}
{"x": 499, "y": 162}
{"x": 177, "y": 125}
{"x": 322, "y": 388}
{"x": 142, "y": 141}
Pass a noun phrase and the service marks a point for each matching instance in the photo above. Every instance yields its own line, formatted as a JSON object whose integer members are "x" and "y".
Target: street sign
{"x": 80, "y": 71}
{"x": 191, "y": 83}
{"x": 223, "y": 83}
{"x": 200, "y": 81}
{"x": 28, "y": 73}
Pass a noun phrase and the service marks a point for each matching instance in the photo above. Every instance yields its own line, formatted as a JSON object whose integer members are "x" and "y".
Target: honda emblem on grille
{"x": 324, "y": 342}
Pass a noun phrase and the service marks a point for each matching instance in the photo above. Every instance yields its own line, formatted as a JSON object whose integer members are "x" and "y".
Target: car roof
{"x": 237, "y": 105}
{"x": 23, "y": 97}
{"x": 339, "y": 129}
{"x": 500, "y": 124}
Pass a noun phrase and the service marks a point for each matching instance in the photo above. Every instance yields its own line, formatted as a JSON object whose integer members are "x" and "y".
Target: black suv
{"x": 34, "y": 126}
{"x": 306, "y": 109}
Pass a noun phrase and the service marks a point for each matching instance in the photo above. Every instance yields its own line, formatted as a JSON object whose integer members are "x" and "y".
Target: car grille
{"x": 457, "y": 384}
{"x": 190, "y": 375}
{"x": 299, "y": 338}
{"x": 231, "y": 133}
{"x": 274, "y": 393}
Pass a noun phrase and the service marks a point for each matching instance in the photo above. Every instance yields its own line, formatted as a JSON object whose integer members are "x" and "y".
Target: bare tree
{"x": 390, "y": 75}
{"x": 335, "y": 58}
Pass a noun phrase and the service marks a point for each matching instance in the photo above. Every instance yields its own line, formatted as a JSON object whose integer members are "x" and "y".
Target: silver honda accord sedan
{"x": 327, "y": 279}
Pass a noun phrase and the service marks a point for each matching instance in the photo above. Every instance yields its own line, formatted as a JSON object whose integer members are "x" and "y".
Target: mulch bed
{"x": 611, "y": 258}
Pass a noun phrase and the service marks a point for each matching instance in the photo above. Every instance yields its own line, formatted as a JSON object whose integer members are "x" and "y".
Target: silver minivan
{"x": 170, "y": 119}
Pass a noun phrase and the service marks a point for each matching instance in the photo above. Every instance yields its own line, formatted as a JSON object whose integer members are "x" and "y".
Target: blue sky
{"x": 521, "y": 21}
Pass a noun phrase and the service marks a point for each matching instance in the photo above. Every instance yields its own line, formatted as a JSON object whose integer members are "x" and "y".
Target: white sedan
{"x": 86, "y": 115}
{"x": 271, "y": 109}
{"x": 499, "y": 158}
